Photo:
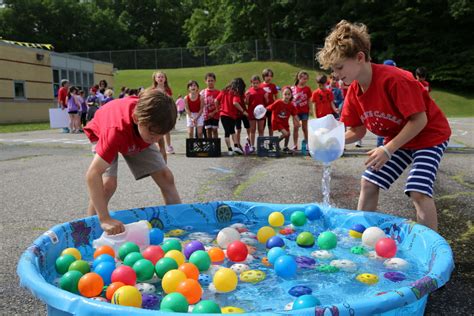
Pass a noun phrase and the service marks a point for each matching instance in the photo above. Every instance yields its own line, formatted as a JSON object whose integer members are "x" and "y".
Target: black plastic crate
{"x": 268, "y": 146}
{"x": 203, "y": 147}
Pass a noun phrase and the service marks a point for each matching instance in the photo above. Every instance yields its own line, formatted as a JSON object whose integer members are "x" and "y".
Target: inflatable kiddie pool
{"x": 433, "y": 254}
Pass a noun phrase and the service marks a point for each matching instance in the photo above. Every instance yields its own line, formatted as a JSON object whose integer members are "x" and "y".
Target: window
{"x": 78, "y": 78}
{"x": 56, "y": 76}
{"x": 72, "y": 80}
{"x": 19, "y": 87}
{"x": 84, "y": 80}
{"x": 91, "y": 79}
{"x": 63, "y": 74}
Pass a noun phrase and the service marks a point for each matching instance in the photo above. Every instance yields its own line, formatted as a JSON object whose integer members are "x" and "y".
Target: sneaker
{"x": 238, "y": 151}
{"x": 170, "y": 150}
{"x": 358, "y": 144}
{"x": 252, "y": 150}
{"x": 287, "y": 151}
{"x": 294, "y": 148}
{"x": 65, "y": 130}
{"x": 230, "y": 153}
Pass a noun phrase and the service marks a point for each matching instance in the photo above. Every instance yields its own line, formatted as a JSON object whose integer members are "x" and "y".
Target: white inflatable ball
{"x": 238, "y": 268}
{"x": 344, "y": 265}
{"x": 373, "y": 255}
{"x": 322, "y": 254}
{"x": 249, "y": 241}
{"x": 371, "y": 235}
{"x": 145, "y": 288}
{"x": 226, "y": 236}
{"x": 396, "y": 264}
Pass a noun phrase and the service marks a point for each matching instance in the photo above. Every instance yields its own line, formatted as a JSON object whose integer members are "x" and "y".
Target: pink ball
{"x": 124, "y": 274}
{"x": 386, "y": 247}
{"x": 237, "y": 251}
{"x": 153, "y": 253}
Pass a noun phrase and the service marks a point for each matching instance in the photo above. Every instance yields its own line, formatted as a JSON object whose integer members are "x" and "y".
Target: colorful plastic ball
{"x": 153, "y": 253}
{"x": 367, "y": 278}
{"x": 299, "y": 290}
{"x": 144, "y": 269}
{"x": 265, "y": 233}
{"x": 164, "y": 265}
{"x": 358, "y": 250}
{"x": 191, "y": 247}
{"x": 156, "y": 236}
{"x": 274, "y": 253}
{"x": 276, "y": 219}
{"x": 356, "y": 231}
{"x": 149, "y": 300}
{"x": 298, "y": 218}
{"x": 102, "y": 258}
{"x": 207, "y": 307}
{"x": 201, "y": 260}
{"x": 127, "y": 248}
{"x": 145, "y": 287}
{"x": 90, "y": 284}
{"x": 81, "y": 266}
{"x": 216, "y": 255}
{"x": 70, "y": 280}
{"x": 176, "y": 255}
{"x": 204, "y": 279}
{"x": 275, "y": 241}
{"x": 105, "y": 269}
{"x": 396, "y": 264}
{"x": 73, "y": 252}
{"x": 191, "y": 271}
{"x": 305, "y": 240}
{"x": 124, "y": 274}
{"x": 175, "y": 302}
{"x": 226, "y": 236}
{"x": 225, "y": 280}
{"x": 305, "y": 301}
{"x": 327, "y": 240}
{"x": 394, "y": 276}
{"x": 237, "y": 251}
{"x": 386, "y": 248}
{"x": 127, "y": 295}
{"x": 171, "y": 244}
{"x": 191, "y": 289}
{"x": 232, "y": 310}
{"x": 104, "y": 250}
{"x": 114, "y": 286}
{"x": 371, "y": 235}
{"x": 62, "y": 263}
{"x": 285, "y": 266}
{"x": 313, "y": 212}
{"x": 172, "y": 279}
{"x": 131, "y": 258}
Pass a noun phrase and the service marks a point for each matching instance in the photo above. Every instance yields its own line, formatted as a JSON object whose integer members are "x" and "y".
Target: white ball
{"x": 396, "y": 264}
{"x": 145, "y": 288}
{"x": 344, "y": 265}
{"x": 322, "y": 254}
{"x": 238, "y": 268}
{"x": 226, "y": 236}
{"x": 371, "y": 235}
{"x": 321, "y": 131}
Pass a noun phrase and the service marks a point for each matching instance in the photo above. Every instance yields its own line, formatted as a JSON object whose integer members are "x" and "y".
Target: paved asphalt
{"x": 42, "y": 184}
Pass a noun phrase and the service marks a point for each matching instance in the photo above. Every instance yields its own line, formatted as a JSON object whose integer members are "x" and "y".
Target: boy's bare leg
{"x": 425, "y": 210}
{"x": 295, "y": 136}
{"x": 369, "y": 196}
{"x": 165, "y": 181}
{"x": 110, "y": 185}
{"x": 304, "y": 126}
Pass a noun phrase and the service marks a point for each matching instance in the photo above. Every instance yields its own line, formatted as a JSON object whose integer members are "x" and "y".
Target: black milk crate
{"x": 268, "y": 146}
{"x": 203, "y": 147}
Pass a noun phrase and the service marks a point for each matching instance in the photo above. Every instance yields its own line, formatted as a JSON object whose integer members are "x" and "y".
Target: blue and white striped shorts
{"x": 422, "y": 173}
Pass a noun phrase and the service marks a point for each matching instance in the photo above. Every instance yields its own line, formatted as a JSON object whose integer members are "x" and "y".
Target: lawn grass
{"x": 23, "y": 127}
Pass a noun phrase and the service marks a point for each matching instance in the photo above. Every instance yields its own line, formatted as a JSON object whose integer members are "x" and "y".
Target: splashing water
{"x": 326, "y": 184}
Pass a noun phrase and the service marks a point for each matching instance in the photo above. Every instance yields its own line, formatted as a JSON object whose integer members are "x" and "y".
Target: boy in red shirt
{"x": 254, "y": 96}
{"x": 323, "y": 99}
{"x": 272, "y": 92}
{"x": 390, "y": 103}
{"x": 129, "y": 126}
{"x": 62, "y": 94}
{"x": 211, "y": 111}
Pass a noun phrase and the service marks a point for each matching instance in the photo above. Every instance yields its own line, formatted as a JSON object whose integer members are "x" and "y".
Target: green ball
{"x": 327, "y": 240}
{"x": 305, "y": 239}
{"x": 164, "y": 265}
{"x": 63, "y": 263}
{"x": 144, "y": 269}
{"x": 127, "y": 248}
{"x": 176, "y": 302}
{"x": 81, "y": 266}
{"x": 207, "y": 306}
{"x": 326, "y": 268}
{"x": 298, "y": 218}
{"x": 171, "y": 244}
{"x": 201, "y": 260}
{"x": 70, "y": 280}
{"x": 131, "y": 258}
{"x": 358, "y": 250}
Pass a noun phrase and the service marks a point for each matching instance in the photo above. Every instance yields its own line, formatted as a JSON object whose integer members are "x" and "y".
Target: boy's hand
{"x": 377, "y": 158}
{"x": 112, "y": 226}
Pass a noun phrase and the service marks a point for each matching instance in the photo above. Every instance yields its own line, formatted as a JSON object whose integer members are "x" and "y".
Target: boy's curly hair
{"x": 237, "y": 86}
{"x": 345, "y": 41}
{"x": 156, "y": 110}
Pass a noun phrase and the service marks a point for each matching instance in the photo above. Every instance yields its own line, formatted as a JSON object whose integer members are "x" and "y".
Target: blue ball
{"x": 305, "y": 301}
{"x": 285, "y": 266}
{"x": 275, "y": 241}
{"x": 102, "y": 258}
{"x": 274, "y": 253}
{"x": 313, "y": 212}
{"x": 156, "y": 236}
{"x": 105, "y": 269}
{"x": 204, "y": 279}
{"x": 358, "y": 228}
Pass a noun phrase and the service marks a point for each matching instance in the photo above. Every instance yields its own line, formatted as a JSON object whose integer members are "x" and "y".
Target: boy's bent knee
{"x": 368, "y": 186}
{"x": 419, "y": 197}
{"x": 163, "y": 176}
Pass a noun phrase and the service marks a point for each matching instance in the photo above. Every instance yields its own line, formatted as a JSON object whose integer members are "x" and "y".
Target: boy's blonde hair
{"x": 345, "y": 41}
{"x": 109, "y": 93}
{"x": 156, "y": 110}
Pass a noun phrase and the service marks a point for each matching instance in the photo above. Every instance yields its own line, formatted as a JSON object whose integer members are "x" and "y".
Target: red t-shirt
{"x": 322, "y": 100}
{"x": 209, "y": 103}
{"x": 226, "y": 100}
{"x": 426, "y": 85}
{"x": 254, "y": 98}
{"x": 281, "y": 112}
{"x": 62, "y": 94}
{"x": 114, "y": 131}
{"x": 301, "y": 98}
{"x": 194, "y": 105}
{"x": 391, "y": 98}
{"x": 271, "y": 89}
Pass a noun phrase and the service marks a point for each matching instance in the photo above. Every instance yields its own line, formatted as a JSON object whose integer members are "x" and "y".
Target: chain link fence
{"x": 296, "y": 53}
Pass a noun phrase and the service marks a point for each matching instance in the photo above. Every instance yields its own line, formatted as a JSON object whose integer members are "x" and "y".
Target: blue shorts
{"x": 303, "y": 116}
{"x": 422, "y": 173}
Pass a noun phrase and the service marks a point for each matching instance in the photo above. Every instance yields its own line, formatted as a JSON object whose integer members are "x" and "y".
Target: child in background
{"x": 123, "y": 92}
{"x": 211, "y": 111}
{"x": 92, "y": 104}
{"x": 390, "y": 103}
{"x": 160, "y": 82}
{"x": 272, "y": 92}
{"x": 301, "y": 98}
{"x": 337, "y": 93}
{"x": 180, "y": 106}
{"x": 281, "y": 111}
{"x": 83, "y": 111}
{"x": 254, "y": 96}
{"x": 194, "y": 105}
{"x": 421, "y": 76}
{"x": 73, "y": 106}
{"x": 108, "y": 96}
{"x": 322, "y": 99}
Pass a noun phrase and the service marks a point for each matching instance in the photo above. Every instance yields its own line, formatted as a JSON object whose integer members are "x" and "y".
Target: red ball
{"x": 124, "y": 274}
{"x": 237, "y": 251}
{"x": 386, "y": 247}
{"x": 153, "y": 253}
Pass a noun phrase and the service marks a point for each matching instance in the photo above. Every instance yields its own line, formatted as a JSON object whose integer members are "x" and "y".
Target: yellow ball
{"x": 225, "y": 280}
{"x": 127, "y": 295}
{"x": 367, "y": 278}
{"x": 276, "y": 219}
{"x": 265, "y": 233}
{"x": 355, "y": 234}
{"x": 172, "y": 279}
{"x": 232, "y": 310}
{"x": 177, "y": 256}
{"x": 73, "y": 252}
{"x": 149, "y": 225}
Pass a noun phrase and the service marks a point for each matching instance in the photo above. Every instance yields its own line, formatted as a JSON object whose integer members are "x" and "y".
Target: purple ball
{"x": 395, "y": 276}
{"x": 299, "y": 290}
{"x": 149, "y": 301}
{"x": 304, "y": 262}
{"x": 191, "y": 247}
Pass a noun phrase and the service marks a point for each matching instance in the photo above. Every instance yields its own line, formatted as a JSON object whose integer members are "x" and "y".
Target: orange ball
{"x": 90, "y": 284}
{"x": 216, "y": 254}
{"x": 112, "y": 288}
{"x": 191, "y": 271}
{"x": 104, "y": 250}
{"x": 191, "y": 289}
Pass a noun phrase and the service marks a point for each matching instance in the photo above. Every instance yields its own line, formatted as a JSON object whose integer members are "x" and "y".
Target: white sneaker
{"x": 358, "y": 143}
{"x": 170, "y": 150}
{"x": 238, "y": 151}
{"x": 230, "y": 153}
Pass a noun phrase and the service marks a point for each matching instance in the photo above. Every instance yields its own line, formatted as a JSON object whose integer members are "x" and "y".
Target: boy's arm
{"x": 201, "y": 107}
{"x": 296, "y": 120}
{"x": 95, "y": 187}
{"x": 354, "y": 134}
{"x": 162, "y": 147}
{"x": 334, "y": 107}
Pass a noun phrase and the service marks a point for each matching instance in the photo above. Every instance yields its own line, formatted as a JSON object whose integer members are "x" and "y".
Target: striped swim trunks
{"x": 422, "y": 173}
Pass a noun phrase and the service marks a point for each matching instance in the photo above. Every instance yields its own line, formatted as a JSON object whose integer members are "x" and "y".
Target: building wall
{"x": 105, "y": 72}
